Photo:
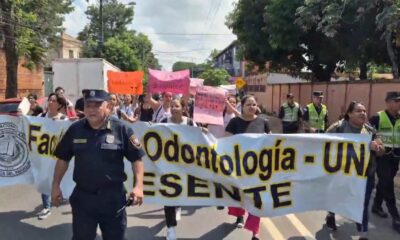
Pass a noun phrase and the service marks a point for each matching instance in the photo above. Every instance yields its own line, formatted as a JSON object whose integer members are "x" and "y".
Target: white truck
{"x": 77, "y": 74}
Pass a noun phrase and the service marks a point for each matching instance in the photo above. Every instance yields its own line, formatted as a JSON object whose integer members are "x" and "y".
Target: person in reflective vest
{"x": 291, "y": 114}
{"x": 316, "y": 114}
{"x": 387, "y": 123}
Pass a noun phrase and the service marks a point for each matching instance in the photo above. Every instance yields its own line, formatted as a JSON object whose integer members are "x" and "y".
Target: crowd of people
{"x": 96, "y": 109}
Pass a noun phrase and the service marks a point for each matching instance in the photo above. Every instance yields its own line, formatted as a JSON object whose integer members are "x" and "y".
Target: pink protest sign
{"x": 209, "y": 105}
{"x": 194, "y": 84}
{"x": 175, "y": 82}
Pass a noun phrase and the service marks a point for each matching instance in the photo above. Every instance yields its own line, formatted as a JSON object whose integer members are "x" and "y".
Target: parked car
{"x": 10, "y": 106}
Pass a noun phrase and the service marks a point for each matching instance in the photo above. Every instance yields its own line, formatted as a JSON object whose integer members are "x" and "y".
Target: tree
{"x": 29, "y": 27}
{"x": 116, "y": 18}
{"x": 119, "y": 53}
{"x": 178, "y": 66}
{"x": 215, "y": 77}
{"x": 322, "y": 35}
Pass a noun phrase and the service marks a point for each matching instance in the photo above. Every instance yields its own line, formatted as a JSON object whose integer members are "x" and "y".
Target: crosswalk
{"x": 310, "y": 226}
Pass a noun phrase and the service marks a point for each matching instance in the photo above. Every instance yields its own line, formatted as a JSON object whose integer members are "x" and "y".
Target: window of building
{"x": 71, "y": 54}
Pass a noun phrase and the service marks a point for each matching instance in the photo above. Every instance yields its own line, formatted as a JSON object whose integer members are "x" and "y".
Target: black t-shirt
{"x": 146, "y": 115}
{"x": 80, "y": 104}
{"x": 37, "y": 110}
{"x": 237, "y": 125}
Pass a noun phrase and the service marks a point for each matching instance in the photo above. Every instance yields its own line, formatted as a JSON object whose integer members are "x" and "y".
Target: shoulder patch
{"x": 135, "y": 142}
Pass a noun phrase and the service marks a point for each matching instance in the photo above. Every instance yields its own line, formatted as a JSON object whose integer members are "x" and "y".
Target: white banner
{"x": 269, "y": 175}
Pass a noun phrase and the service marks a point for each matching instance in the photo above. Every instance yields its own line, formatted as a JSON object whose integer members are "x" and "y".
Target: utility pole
{"x": 101, "y": 37}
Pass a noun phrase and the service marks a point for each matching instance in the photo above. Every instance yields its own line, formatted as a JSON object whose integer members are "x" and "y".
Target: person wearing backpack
{"x": 355, "y": 121}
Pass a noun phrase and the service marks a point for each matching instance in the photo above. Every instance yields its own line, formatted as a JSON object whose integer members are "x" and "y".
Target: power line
{"x": 185, "y": 51}
{"x": 192, "y": 34}
{"x": 211, "y": 23}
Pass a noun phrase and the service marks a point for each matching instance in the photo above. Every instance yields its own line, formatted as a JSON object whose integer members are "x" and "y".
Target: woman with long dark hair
{"x": 56, "y": 106}
{"x": 247, "y": 122}
{"x": 356, "y": 121}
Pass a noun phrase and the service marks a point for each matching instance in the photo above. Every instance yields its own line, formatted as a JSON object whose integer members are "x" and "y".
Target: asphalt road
{"x": 19, "y": 205}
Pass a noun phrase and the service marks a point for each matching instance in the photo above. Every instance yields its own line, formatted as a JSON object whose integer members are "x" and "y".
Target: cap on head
{"x": 318, "y": 94}
{"x": 392, "y": 96}
{"x": 95, "y": 95}
{"x": 289, "y": 95}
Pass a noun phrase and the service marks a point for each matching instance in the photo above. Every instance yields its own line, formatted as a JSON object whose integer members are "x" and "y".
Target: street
{"x": 19, "y": 205}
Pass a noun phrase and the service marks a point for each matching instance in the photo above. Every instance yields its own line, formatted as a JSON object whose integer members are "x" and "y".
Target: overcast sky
{"x": 157, "y": 17}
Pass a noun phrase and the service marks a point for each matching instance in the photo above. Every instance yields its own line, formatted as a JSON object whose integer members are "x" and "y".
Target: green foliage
{"x": 36, "y": 25}
{"x": 215, "y": 77}
{"x": 116, "y": 18}
{"x": 178, "y": 66}
{"x": 320, "y": 35}
{"x": 119, "y": 53}
{"x": 124, "y": 48}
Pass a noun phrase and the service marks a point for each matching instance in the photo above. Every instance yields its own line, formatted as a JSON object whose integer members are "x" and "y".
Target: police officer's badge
{"x": 110, "y": 138}
{"x": 92, "y": 93}
{"x": 135, "y": 142}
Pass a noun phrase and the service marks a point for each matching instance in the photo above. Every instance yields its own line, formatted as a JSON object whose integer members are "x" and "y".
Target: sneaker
{"x": 171, "y": 235}
{"x": 363, "y": 235}
{"x": 239, "y": 222}
{"x": 396, "y": 224}
{"x": 330, "y": 222}
{"x": 379, "y": 212}
{"x": 44, "y": 213}
{"x": 220, "y": 208}
{"x": 178, "y": 213}
{"x": 255, "y": 238}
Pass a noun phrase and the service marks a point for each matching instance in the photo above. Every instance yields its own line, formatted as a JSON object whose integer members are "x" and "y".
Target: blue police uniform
{"x": 99, "y": 173}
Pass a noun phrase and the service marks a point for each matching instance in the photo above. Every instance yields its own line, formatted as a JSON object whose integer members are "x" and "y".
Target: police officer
{"x": 291, "y": 115}
{"x": 387, "y": 123}
{"x": 99, "y": 144}
{"x": 316, "y": 121}
{"x": 316, "y": 114}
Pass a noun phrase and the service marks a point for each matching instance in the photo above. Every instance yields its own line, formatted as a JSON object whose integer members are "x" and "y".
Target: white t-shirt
{"x": 160, "y": 114}
{"x": 184, "y": 121}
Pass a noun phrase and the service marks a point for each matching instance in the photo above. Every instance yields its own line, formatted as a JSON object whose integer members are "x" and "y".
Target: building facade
{"x": 228, "y": 60}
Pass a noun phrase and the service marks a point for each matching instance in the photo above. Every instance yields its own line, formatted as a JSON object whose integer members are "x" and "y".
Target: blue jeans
{"x": 46, "y": 201}
{"x": 368, "y": 191}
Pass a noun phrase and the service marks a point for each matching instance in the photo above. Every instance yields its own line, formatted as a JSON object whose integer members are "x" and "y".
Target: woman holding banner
{"x": 172, "y": 213}
{"x": 56, "y": 105}
{"x": 248, "y": 122}
{"x": 355, "y": 121}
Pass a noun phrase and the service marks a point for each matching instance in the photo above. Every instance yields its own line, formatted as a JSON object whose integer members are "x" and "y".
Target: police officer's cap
{"x": 318, "y": 94}
{"x": 95, "y": 95}
{"x": 289, "y": 95}
{"x": 392, "y": 96}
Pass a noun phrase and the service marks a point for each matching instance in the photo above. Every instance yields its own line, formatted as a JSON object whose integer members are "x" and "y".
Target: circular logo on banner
{"x": 13, "y": 151}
